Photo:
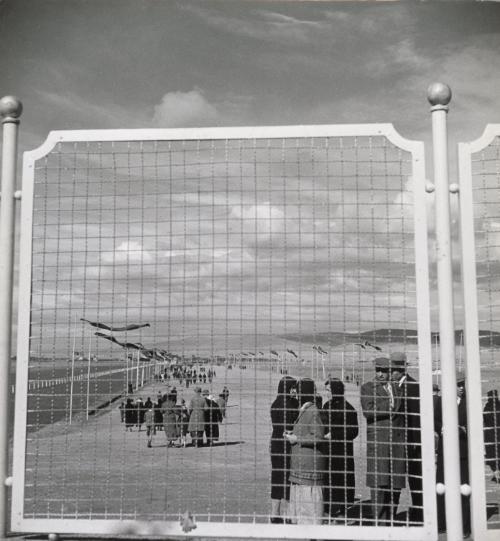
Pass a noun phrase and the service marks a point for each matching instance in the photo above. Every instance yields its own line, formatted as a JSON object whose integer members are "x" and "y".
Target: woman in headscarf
{"x": 284, "y": 411}
{"x": 308, "y": 464}
{"x": 341, "y": 424}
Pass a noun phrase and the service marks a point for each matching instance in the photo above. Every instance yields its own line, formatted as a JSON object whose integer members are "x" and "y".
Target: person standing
{"x": 341, "y": 424}
{"x": 491, "y": 425}
{"x": 221, "y": 402}
{"x": 379, "y": 402}
{"x": 149, "y": 420}
{"x": 225, "y": 392}
{"x": 407, "y": 418}
{"x": 307, "y": 462}
{"x": 212, "y": 418}
{"x": 130, "y": 415}
{"x": 284, "y": 412}
{"x": 170, "y": 420}
{"x": 196, "y": 425}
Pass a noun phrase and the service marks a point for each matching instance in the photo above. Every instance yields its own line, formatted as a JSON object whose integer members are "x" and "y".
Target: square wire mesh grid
{"x": 220, "y": 264}
{"x": 486, "y": 203}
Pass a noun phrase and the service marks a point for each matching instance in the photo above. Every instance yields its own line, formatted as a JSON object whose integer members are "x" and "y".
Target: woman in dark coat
{"x": 130, "y": 414}
{"x": 284, "y": 412}
{"x": 341, "y": 425}
{"x": 213, "y": 417}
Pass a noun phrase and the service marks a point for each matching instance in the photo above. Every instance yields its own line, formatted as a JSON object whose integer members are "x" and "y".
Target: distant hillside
{"x": 486, "y": 338}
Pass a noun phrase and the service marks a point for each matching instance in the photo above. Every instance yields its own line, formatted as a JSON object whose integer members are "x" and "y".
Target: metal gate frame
{"x": 477, "y": 467}
{"x": 206, "y": 529}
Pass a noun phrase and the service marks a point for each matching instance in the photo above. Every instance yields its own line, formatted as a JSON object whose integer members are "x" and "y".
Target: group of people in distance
{"x": 199, "y": 418}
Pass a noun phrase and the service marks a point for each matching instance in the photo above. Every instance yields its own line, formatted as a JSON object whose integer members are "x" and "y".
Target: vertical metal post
{"x": 10, "y": 111}
{"x": 439, "y": 95}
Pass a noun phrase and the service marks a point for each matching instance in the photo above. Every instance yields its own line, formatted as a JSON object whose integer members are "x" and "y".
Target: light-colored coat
{"x": 308, "y": 465}
{"x": 196, "y": 409}
{"x": 385, "y": 449}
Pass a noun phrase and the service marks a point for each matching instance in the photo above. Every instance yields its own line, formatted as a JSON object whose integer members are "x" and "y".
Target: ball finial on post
{"x": 10, "y": 109}
{"x": 439, "y": 94}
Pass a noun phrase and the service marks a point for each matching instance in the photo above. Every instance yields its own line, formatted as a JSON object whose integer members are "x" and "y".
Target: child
{"x": 149, "y": 419}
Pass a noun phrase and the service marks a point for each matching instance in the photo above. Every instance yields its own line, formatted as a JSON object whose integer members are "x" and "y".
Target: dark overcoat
{"x": 384, "y": 449}
{"x": 406, "y": 422}
{"x": 284, "y": 412}
{"x": 491, "y": 422}
{"x": 341, "y": 420}
{"x": 213, "y": 417}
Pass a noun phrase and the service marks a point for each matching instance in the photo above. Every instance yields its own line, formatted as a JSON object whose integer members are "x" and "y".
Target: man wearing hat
{"x": 196, "y": 424}
{"x": 379, "y": 402}
{"x": 406, "y": 424}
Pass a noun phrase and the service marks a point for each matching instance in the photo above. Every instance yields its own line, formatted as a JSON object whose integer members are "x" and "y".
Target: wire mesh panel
{"x": 480, "y": 210}
{"x": 220, "y": 329}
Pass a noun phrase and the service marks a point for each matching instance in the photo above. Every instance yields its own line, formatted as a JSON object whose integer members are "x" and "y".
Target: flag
{"x": 108, "y": 337}
{"x": 321, "y": 350}
{"x": 292, "y": 352}
{"x": 372, "y": 346}
{"x": 274, "y": 352}
{"x": 131, "y": 327}
{"x": 360, "y": 345}
{"x": 315, "y": 348}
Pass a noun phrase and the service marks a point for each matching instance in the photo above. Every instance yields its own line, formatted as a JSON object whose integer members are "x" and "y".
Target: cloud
{"x": 129, "y": 252}
{"x": 184, "y": 109}
{"x": 261, "y": 25}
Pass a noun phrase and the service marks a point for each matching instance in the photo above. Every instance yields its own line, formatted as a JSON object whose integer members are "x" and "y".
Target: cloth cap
{"x": 460, "y": 379}
{"x": 382, "y": 362}
{"x": 398, "y": 359}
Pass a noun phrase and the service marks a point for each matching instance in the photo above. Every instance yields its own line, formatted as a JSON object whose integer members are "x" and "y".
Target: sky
{"x": 79, "y": 64}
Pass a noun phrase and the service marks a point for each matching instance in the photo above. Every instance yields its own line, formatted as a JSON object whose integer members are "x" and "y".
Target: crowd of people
{"x": 199, "y": 419}
{"x": 312, "y": 451}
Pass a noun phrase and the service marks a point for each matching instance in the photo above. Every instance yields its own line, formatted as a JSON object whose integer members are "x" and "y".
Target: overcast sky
{"x": 155, "y": 64}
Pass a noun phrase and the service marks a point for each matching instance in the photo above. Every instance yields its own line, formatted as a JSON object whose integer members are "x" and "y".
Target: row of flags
{"x": 151, "y": 353}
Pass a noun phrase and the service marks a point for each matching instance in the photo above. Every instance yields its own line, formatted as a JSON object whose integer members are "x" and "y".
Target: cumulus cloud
{"x": 184, "y": 109}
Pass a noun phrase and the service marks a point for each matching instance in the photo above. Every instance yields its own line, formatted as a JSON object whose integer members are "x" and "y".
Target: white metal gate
{"x": 479, "y": 163}
{"x": 274, "y": 242}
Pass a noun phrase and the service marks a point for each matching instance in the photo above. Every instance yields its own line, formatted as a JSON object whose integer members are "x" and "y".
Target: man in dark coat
{"x": 491, "y": 424}
{"x": 341, "y": 427}
{"x": 385, "y": 472}
{"x": 464, "y": 461}
{"x": 407, "y": 417}
{"x": 213, "y": 417}
{"x": 197, "y": 417}
{"x": 284, "y": 412}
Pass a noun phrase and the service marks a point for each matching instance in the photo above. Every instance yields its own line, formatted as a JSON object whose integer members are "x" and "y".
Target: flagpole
{"x": 88, "y": 375}
{"x": 323, "y": 365}
{"x": 342, "y": 365}
{"x": 312, "y": 364}
{"x": 126, "y": 371}
{"x": 72, "y": 374}
{"x": 137, "y": 372}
